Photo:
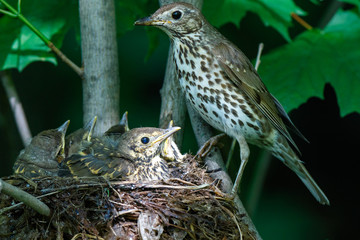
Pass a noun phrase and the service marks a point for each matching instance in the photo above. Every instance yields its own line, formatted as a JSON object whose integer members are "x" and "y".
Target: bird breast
{"x": 210, "y": 91}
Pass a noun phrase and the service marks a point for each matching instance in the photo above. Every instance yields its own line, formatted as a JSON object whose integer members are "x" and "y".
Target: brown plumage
{"x": 42, "y": 156}
{"x": 117, "y": 130}
{"x": 134, "y": 156}
{"x": 222, "y": 85}
{"x": 79, "y": 139}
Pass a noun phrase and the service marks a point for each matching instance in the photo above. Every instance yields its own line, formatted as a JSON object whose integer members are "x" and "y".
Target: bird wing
{"x": 242, "y": 73}
{"x": 90, "y": 166}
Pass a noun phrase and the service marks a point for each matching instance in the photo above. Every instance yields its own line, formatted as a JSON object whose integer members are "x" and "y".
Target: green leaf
{"x": 128, "y": 11}
{"x": 153, "y": 35}
{"x": 275, "y": 13}
{"x": 219, "y": 12}
{"x": 300, "y": 69}
{"x": 316, "y": 2}
{"x": 20, "y": 46}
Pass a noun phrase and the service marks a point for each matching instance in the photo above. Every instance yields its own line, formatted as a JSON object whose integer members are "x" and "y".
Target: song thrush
{"x": 79, "y": 139}
{"x": 169, "y": 152}
{"x": 134, "y": 156}
{"x": 222, "y": 85}
{"x": 42, "y": 156}
{"x": 117, "y": 130}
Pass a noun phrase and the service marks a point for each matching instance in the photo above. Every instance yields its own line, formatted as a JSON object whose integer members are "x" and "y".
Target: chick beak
{"x": 167, "y": 143}
{"x": 89, "y": 127}
{"x": 168, "y": 132}
{"x": 63, "y": 127}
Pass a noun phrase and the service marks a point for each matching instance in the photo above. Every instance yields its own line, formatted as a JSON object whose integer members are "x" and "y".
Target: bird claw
{"x": 208, "y": 145}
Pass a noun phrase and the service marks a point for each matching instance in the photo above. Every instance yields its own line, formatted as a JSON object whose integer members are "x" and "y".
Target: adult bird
{"x": 222, "y": 85}
{"x": 134, "y": 156}
{"x": 42, "y": 156}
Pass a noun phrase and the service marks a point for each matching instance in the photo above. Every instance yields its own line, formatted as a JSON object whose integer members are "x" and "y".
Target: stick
{"x": 301, "y": 21}
{"x": 16, "y": 107}
{"x": 24, "y": 197}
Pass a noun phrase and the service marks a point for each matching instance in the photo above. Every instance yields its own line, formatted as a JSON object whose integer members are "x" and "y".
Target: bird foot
{"x": 208, "y": 145}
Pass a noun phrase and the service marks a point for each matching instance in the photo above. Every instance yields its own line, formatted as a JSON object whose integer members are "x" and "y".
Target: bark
{"x": 101, "y": 84}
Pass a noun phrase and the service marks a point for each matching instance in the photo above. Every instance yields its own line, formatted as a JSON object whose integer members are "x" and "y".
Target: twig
{"x": 159, "y": 186}
{"x": 16, "y": 107}
{"x": 87, "y": 236}
{"x": 16, "y": 13}
{"x": 257, "y": 181}
{"x": 62, "y": 56}
{"x": 232, "y": 216}
{"x": 179, "y": 180}
{"x": 25, "y": 197}
{"x": 301, "y": 21}
{"x": 258, "y": 61}
{"x": 78, "y": 186}
{"x": 125, "y": 185}
{"x": 127, "y": 211}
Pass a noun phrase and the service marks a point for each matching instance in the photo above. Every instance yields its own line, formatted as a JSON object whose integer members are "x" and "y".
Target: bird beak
{"x": 63, "y": 127}
{"x": 167, "y": 143}
{"x": 149, "y": 21}
{"x": 124, "y": 121}
{"x": 167, "y": 133}
{"x": 89, "y": 127}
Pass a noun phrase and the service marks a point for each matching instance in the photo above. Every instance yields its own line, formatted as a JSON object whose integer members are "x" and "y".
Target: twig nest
{"x": 187, "y": 206}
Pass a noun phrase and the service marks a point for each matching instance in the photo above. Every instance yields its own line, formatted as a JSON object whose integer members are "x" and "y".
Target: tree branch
{"x": 24, "y": 197}
{"x": 101, "y": 85}
{"x": 16, "y": 107}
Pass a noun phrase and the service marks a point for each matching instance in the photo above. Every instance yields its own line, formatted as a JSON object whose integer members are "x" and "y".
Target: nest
{"x": 187, "y": 206}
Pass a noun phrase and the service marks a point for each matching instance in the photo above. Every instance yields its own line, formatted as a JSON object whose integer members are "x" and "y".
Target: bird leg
{"x": 244, "y": 156}
{"x": 208, "y": 145}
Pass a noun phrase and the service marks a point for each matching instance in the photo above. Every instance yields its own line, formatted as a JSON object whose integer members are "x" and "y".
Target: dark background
{"x": 286, "y": 210}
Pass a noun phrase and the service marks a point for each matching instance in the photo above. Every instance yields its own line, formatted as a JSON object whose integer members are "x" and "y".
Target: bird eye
{"x": 176, "y": 15}
{"x": 145, "y": 140}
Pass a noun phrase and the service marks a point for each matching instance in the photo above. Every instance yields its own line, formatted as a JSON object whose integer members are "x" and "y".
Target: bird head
{"x": 175, "y": 19}
{"x": 144, "y": 143}
{"x": 46, "y": 147}
{"x": 75, "y": 141}
{"x": 120, "y": 128}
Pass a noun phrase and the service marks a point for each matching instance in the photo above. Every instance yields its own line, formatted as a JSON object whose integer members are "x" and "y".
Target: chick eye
{"x": 176, "y": 15}
{"x": 145, "y": 140}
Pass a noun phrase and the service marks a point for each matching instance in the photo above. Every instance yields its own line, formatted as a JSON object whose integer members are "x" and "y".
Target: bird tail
{"x": 309, "y": 182}
{"x": 292, "y": 161}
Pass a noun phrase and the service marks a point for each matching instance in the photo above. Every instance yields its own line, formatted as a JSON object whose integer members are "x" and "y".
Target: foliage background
{"x": 295, "y": 67}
